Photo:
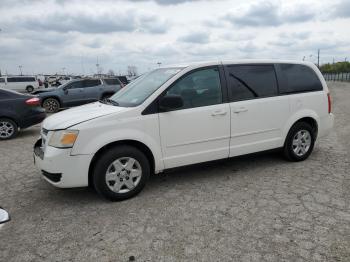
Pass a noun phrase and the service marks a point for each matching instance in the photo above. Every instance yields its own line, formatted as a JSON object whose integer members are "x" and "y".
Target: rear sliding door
{"x": 258, "y": 114}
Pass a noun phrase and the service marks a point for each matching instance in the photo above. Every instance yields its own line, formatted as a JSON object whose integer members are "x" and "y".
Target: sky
{"x": 71, "y": 36}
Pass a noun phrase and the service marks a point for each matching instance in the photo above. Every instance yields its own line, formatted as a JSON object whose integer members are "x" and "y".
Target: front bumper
{"x": 60, "y": 168}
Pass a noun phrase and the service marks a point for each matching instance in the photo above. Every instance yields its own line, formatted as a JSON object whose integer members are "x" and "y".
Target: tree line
{"x": 339, "y": 67}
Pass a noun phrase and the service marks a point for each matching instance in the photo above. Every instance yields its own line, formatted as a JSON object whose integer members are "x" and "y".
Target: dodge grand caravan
{"x": 181, "y": 115}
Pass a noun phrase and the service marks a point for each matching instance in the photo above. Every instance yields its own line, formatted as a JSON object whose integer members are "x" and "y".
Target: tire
{"x": 51, "y": 105}
{"x": 29, "y": 89}
{"x": 300, "y": 142}
{"x": 8, "y": 129}
{"x": 121, "y": 173}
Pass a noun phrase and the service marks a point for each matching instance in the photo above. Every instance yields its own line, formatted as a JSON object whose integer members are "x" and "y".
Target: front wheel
{"x": 121, "y": 173}
{"x": 300, "y": 142}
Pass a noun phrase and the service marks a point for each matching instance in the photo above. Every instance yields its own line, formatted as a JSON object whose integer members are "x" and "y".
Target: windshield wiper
{"x": 109, "y": 101}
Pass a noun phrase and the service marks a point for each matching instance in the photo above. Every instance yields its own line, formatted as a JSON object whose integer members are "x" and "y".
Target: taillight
{"x": 329, "y": 103}
{"x": 33, "y": 101}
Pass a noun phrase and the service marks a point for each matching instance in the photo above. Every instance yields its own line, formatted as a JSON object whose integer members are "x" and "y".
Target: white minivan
{"x": 19, "y": 83}
{"x": 181, "y": 115}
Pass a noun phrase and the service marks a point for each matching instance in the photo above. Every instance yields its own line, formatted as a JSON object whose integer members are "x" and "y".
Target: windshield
{"x": 138, "y": 91}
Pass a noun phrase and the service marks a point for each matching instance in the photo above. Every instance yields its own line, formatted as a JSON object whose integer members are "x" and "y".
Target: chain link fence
{"x": 342, "y": 77}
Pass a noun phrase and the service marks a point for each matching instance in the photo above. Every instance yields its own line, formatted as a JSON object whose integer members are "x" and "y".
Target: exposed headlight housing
{"x": 63, "y": 138}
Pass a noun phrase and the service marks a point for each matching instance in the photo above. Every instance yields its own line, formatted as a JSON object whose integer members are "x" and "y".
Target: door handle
{"x": 219, "y": 113}
{"x": 240, "y": 110}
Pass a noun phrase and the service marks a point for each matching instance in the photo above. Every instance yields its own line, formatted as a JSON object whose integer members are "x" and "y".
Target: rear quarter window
{"x": 112, "y": 81}
{"x": 298, "y": 78}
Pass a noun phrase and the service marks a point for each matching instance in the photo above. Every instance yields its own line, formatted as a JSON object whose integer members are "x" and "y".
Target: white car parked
{"x": 19, "y": 83}
{"x": 182, "y": 115}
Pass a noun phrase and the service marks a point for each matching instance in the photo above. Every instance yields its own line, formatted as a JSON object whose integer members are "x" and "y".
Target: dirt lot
{"x": 251, "y": 208}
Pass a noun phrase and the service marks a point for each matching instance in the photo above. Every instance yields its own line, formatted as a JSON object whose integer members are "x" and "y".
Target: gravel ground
{"x": 250, "y": 208}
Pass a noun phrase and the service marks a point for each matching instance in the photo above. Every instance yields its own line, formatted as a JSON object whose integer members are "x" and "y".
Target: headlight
{"x": 63, "y": 138}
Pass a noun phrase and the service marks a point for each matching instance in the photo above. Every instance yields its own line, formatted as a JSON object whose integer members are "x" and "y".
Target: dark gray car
{"x": 77, "y": 92}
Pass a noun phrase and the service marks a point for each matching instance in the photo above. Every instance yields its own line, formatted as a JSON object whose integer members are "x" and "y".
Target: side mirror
{"x": 170, "y": 102}
{"x": 4, "y": 216}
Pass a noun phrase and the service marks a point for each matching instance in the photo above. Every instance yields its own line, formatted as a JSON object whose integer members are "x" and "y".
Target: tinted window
{"x": 112, "y": 81}
{"x": 298, "y": 78}
{"x": 76, "y": 84}
{"x": 20, "y": 79}
{"x": 251, "y": 81}
{"x": 90, "y": 83}
{"x": 2, "y": 80}
{"x": 200, "y": 88}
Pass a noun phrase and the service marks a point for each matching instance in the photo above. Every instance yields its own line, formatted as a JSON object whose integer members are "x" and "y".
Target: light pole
{"x": 159, "y": 64}
{"x": 20, "y": 69}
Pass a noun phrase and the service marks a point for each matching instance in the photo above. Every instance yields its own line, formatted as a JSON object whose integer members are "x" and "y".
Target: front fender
{"x": 92, "y": 140}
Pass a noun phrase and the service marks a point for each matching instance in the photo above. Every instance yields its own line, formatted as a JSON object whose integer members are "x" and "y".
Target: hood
{"x": 77, "y": 115}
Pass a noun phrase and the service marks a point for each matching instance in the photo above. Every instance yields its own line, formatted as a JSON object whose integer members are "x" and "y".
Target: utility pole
{"x": 97, "y": 66}
{"x": 20, "y": 69}
{"x": 318, "y": 58}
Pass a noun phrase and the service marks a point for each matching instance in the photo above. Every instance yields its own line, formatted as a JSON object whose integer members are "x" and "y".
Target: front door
{"x": 200, "y": 130}
{"x": 74, "y": 94}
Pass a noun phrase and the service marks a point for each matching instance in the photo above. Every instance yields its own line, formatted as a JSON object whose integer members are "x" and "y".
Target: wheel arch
{"x": 51, "y": 96}
{"x": 310, "y": 119}
{"x": 137, "y": 144}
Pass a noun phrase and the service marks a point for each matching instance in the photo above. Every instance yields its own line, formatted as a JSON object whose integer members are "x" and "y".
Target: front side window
{"x": 251, "y": 81}
{"x": 200, "y": 88}
{"x": 74, "y": 85}
{"x": 137, "y": 92}
{"x": 299, "y": 78}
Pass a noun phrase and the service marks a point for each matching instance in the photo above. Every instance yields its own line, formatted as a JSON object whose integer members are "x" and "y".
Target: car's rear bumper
{"x": 326, "y": 125}
{"x": 60, "y": 168}
{"x": 33, "y": 119}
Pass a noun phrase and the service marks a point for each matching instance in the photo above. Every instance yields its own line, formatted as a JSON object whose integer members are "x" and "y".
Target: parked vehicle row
{"x": 18, "y": 111}
{"x": 184, "y": 115}
{"x": 77, "y": 92}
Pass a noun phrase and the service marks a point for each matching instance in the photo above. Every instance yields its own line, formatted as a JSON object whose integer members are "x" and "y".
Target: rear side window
{"x": 112, "y": 81}
{"x": 20, "y": 79}
{"x": 90, "y": 83}
{"x": 298, "y": 78}
{"x": 251, "y": 81}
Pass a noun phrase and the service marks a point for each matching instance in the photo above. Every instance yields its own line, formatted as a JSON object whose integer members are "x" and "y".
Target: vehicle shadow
{"x": 182, "y": 176}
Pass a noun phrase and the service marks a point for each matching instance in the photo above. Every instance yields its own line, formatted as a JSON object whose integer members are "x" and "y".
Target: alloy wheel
{"x": 301, "y": 142}
{"x": 6, "y": 129}
{"x": 123, "y": 175}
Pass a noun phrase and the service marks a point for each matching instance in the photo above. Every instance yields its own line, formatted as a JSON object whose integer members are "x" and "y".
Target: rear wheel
{"x": 8, "y": 128}
{"x": 299, "y": 142}
{"x": 121, "y": 173}
{"x": 51, "y": 105}
{"x": 30, "y": 89}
